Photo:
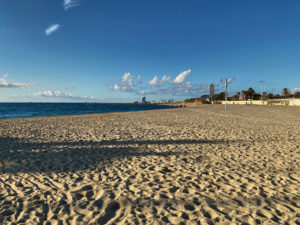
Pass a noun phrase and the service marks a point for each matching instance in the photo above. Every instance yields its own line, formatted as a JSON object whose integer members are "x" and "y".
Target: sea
{"x": 20, "y": 110}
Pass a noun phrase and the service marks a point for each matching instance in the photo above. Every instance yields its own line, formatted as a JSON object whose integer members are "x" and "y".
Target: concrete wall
{"x": 294, "y": 102}
{"x": 289, "y": 102}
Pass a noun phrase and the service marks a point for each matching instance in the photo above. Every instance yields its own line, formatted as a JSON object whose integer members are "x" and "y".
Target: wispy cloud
{"x": 125, "y": 88}
{"x": 70, "y": 4}
{"x": 139, "y": 79}
{"x": 230, "y": 80}
{"x": 294, "y": 90}
{"x": 165, "y": 79}
{"x": 52, "y": 28}
{"x": 49, "y": 96}
{"x": 221, "y": 85}
{"x": 4, "y": 83}
{"x": 187, "y": 89}
{"x": 61, "y": 95}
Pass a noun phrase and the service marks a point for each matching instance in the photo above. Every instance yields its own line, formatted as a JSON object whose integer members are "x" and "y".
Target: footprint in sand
{"x": 110, "y": 212}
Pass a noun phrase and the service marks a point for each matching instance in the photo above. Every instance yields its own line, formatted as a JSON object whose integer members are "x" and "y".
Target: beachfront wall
{"x": 283, "y": 102}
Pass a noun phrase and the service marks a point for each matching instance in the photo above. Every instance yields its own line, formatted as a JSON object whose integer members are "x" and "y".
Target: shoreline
{"x": 63, "y": 112}
{"x": 85, "y": 114}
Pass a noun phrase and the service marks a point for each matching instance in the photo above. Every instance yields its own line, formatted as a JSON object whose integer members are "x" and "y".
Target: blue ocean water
{"x": 18, "y": 110}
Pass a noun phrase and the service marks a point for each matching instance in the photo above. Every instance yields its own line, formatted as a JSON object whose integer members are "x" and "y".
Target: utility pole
{"x": 263, "y": 89}
{"x": 261, "y": 95}
{"x": 226, "y": 85}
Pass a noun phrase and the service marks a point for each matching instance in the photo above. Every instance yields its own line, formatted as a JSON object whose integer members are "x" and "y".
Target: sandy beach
{"x": 198, "y": 165}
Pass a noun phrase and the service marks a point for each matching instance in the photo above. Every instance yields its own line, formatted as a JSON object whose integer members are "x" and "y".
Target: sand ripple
{"x": 176, "y": 166}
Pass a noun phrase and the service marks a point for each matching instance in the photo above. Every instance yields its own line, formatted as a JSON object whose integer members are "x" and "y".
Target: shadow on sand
{"x": 21, "y": 155}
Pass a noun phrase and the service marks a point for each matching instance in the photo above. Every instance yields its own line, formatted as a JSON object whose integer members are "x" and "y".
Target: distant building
{"x": 211, "y": 90}
{"x": 241, "y": 97}
{"x": 144, "y": 100}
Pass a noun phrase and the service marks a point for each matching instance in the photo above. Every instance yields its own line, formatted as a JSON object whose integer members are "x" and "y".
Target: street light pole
{"x": 226, "y": 85}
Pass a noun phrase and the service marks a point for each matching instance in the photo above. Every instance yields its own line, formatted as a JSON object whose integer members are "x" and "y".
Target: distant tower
{"x": 144, "y": 100}
{"x": 211, "y": 90}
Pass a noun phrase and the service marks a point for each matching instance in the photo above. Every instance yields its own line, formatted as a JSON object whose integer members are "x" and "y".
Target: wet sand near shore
{"x": 198, "y": 165}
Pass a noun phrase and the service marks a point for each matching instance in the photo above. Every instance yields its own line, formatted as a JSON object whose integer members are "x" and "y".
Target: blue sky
{"x": 119, "y": 50}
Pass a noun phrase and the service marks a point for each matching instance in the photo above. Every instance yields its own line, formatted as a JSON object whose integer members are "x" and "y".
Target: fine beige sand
{"x": 197, "y": 165}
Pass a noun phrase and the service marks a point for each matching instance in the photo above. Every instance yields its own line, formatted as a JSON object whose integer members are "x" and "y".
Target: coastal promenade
{"x": 199, "y": 165}
{"x": 269, "y": 102}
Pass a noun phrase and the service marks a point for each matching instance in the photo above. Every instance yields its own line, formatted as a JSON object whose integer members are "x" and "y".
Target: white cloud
{"x": 70, "y": 4}
{"x": 293, "y": 91}
{"x": 154, "y": 81}
{"x": 161, "y": 87}
{"x": 181, "y": 77}
{"x": 61, "y": 95}
{"x": 121, "y": 88}
{"x": 52, "y": 28}
{"x": 229, "y": 80}
{"x": 48, "y": 93}
{"x": 128, "y": 79}
{"x": 139, "y": 79}
{"x": 127, "y": 83}
{"x": 165, "y": 79}
{"x": 116, "y": 87}
{"x": 4, "y": 83}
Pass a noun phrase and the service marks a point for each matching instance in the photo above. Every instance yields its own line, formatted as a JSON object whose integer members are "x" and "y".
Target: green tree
{"x": 286, "y": 92}
{"x": 297, "y": 95}
{"x": 264, "y": 95}
{"x": 270, "y": 96}
{"x": 277, "y": 96}
{"x": 219, "y": 97}
{"x": 256, "y": 96}
{"x": 251, "y": 93}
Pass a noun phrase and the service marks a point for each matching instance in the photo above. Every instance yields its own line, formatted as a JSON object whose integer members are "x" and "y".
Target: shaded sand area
{"x": 176, "y": 166}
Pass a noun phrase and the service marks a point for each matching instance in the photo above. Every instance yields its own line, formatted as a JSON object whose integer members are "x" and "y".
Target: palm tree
{"x": 251, "y": 92}
{"x": 286, "y": 92}
{"x": 245, "y": 95}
